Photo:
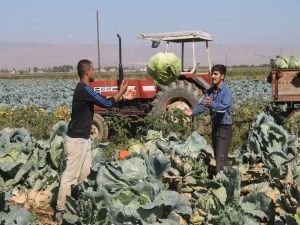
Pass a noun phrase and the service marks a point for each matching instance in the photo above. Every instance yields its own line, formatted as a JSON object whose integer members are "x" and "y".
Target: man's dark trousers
{"x": 221, "y": 139}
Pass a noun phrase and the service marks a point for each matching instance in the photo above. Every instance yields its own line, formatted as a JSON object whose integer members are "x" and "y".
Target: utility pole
{"x": 98, "y": 40}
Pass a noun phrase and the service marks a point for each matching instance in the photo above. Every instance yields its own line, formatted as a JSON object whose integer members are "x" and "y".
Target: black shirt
{"x": 82, "y": 114}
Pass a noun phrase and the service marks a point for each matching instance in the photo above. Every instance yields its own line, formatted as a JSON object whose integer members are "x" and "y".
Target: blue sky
{"x": 231, "y": 22}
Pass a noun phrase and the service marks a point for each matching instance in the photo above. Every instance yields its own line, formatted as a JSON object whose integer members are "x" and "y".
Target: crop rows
{"x": 52, "y": 93}
{"x": 163, "y": 181}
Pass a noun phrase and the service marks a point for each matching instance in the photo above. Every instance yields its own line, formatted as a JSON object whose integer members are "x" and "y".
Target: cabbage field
{"x": 165, "y": 178}
{"x": 52, "y": 93}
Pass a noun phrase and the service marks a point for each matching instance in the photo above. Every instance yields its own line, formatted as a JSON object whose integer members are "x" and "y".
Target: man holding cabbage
{"x": 218, "y": 100}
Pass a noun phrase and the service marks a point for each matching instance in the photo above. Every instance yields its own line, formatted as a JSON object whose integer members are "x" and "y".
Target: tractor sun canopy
{"x": 178, "y": 37}
{"x": 182, "y": 37}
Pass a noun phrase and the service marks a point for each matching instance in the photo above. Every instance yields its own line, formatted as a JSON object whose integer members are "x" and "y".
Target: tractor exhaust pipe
{"x": 121, "y": 74}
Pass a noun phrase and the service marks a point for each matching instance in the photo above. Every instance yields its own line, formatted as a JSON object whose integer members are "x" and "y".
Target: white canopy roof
{"x": 183, "y": 36}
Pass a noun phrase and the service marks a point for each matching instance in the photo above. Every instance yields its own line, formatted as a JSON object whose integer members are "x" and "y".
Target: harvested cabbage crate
{"x": 286, "y": 88}
{"x": 286, "y": 85}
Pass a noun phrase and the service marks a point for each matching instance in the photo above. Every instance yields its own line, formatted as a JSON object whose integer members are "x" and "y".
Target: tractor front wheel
{"x": 99, "y": 129}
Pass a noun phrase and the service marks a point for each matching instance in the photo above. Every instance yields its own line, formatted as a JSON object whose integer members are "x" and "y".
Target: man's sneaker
{"x": 58, "y": 216}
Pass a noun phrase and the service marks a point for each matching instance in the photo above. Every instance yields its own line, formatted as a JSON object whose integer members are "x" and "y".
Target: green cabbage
{"x": 294, "y": 62}
{"x": 164, "y": 67}
{"x": 136, "y": 147}
{"x": 282, "y": 62}
{"x": 286, "y": 59}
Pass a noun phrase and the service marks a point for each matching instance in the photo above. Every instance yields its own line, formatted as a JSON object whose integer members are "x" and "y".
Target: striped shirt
{"x": 221, "y": 109}
{"x": 84, "y": 99}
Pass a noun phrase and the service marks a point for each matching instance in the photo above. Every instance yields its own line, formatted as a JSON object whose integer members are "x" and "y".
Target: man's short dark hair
{"x": 219, "y": 67}
{"x": 82, "y": 66}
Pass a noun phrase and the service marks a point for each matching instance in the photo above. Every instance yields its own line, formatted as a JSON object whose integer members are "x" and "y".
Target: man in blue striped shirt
{"x": 77, "y": 144}
{"x": 218, "y": 100}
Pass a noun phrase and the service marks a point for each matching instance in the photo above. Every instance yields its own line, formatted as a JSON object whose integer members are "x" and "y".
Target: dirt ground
{"x": 39, "y": 203}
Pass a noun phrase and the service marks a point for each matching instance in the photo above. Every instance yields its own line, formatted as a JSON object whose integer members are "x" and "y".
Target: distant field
{"x": 246, "y": 73}
{"x": 254, "y": 73}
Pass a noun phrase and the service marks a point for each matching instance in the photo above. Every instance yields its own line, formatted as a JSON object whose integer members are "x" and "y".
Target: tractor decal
{"x": 149, "y": 88}
{"x": 106, "y": 89}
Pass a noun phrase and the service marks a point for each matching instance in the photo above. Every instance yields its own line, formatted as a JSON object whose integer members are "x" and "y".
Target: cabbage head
{"x": 164, "y": 68}
{"x": 294, "y": 62}
{"x": 281, "y": 62}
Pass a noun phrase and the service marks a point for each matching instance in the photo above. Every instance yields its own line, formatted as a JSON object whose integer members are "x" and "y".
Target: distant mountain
{"x": 25, "y": 55}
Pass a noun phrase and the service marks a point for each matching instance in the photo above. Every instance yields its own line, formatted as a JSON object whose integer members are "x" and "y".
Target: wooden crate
{"x": 286, "y": 85}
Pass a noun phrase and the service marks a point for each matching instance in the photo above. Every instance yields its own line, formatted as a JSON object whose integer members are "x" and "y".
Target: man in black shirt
{"x": 77, "y": 144}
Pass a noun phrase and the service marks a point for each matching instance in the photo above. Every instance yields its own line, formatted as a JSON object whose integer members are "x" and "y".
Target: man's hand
{"x": 187, "y": 112}
{"x": 123, "y": 87}
{"x": 129, "y": 94}
{"x": 207, "y": 102}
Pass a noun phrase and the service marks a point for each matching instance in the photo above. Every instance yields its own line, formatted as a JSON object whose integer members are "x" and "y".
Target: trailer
{"x": 286, "y": 90}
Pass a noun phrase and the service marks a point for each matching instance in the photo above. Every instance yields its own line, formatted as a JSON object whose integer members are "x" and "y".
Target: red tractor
{"x": 185, "y": 92}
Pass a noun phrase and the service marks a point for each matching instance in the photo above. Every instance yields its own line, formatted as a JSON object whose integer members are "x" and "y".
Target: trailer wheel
{"x": 99, "y": 129}
{"x": 178, "y": 95}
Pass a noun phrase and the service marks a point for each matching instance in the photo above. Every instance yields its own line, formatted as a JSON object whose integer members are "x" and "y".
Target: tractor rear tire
{"x": 99, "y": 129}
{"x": 179, "y": 94}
